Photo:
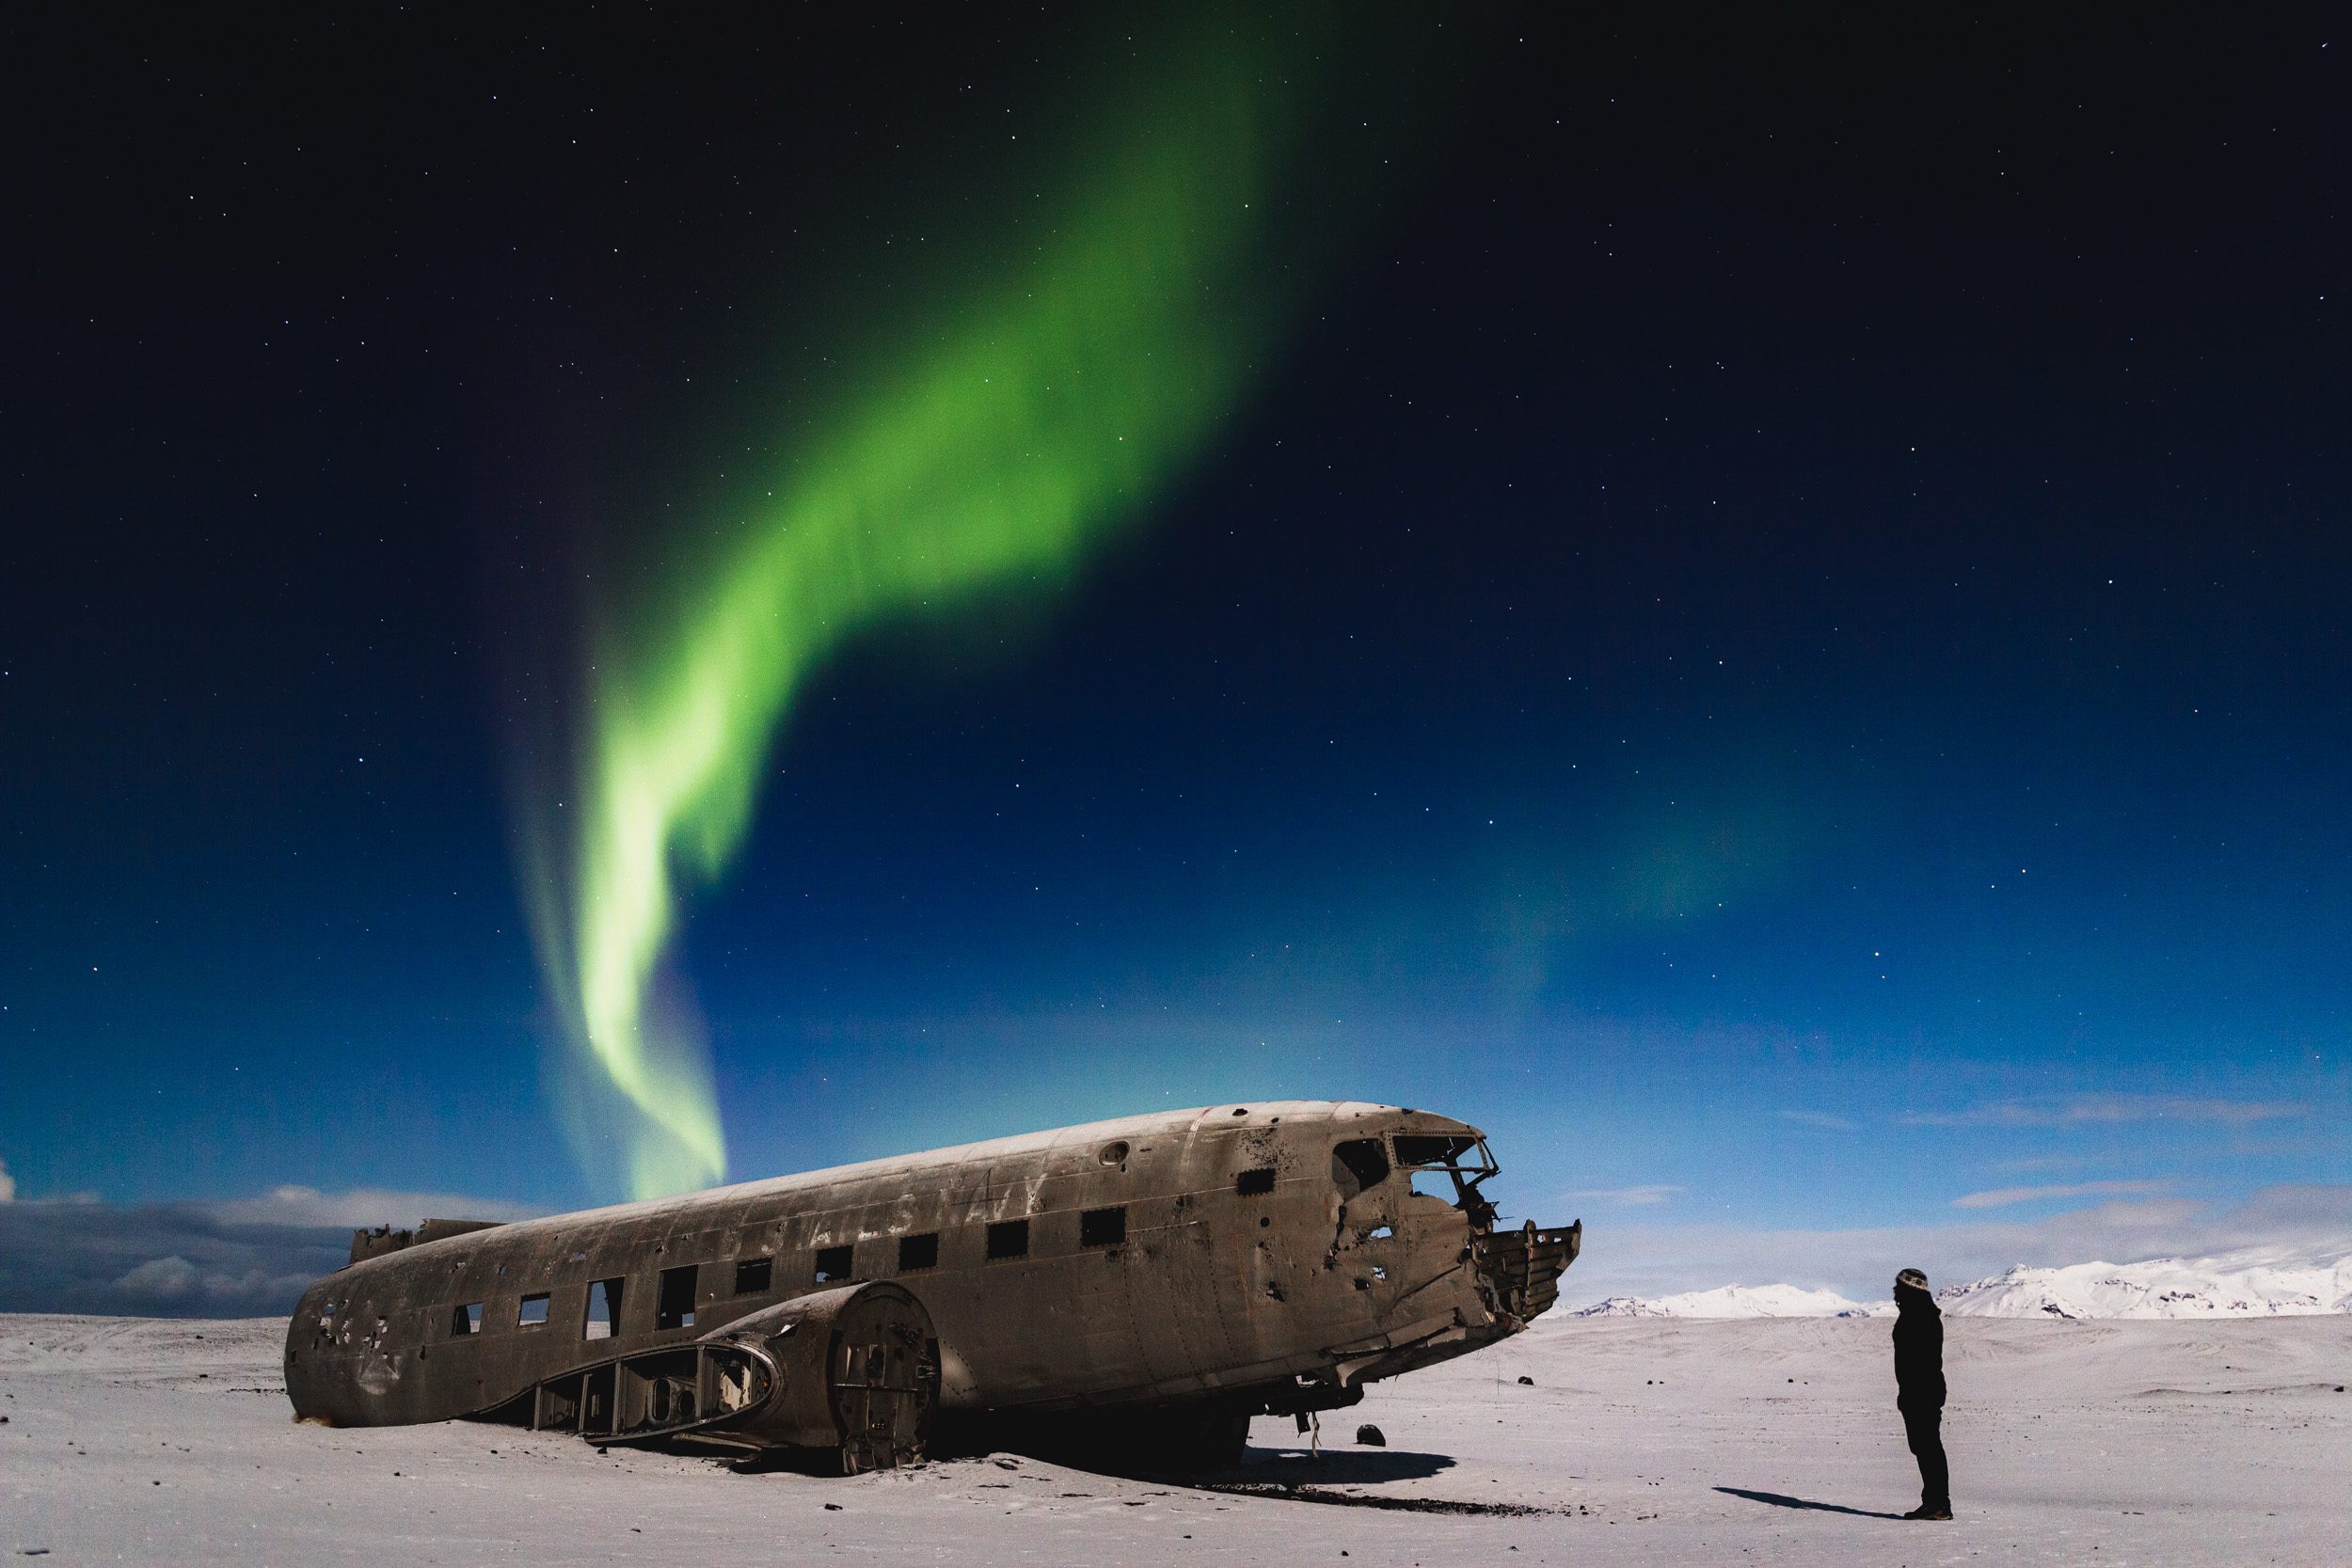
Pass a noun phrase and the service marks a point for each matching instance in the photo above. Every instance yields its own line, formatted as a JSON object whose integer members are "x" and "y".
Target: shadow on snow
{"x": 1779, "y": 1499}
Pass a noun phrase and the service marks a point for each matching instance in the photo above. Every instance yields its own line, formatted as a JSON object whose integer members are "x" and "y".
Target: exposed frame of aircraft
{"x": 1153, "y": 1281}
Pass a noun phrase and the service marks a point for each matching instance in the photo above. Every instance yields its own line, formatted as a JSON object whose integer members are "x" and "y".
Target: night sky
{"x": 1762, "y": 616}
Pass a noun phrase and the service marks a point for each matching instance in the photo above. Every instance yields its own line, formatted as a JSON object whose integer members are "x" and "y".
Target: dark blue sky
{"x": 1776, "y": 639}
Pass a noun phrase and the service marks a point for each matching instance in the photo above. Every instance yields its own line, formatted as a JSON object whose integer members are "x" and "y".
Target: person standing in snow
{"x": 1919, "y": 1390}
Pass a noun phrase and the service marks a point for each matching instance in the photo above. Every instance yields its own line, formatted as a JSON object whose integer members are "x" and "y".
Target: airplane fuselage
{"x": 1262, "y": 1256}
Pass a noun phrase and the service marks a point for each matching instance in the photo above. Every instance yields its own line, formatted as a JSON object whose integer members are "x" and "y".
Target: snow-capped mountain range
{"x": 1736, "y": 1301}
{"x": 2232, "y": 1285}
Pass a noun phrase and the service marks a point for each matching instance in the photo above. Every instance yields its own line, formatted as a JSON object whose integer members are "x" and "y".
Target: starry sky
{"x": 1765, "y": 621}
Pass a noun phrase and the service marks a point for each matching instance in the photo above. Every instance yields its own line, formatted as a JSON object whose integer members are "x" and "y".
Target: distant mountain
{"x": 2230, "y": 1286}
{"x": 1738, "y": 1301}
{"x": 1620, "y": 1306}
{"x": 2255, "y": 1283}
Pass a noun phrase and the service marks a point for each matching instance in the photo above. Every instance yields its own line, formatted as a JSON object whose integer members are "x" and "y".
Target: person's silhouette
{"x": 1919, "y": 1390}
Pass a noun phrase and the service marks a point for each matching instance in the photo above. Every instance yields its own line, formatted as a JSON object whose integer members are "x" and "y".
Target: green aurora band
{"x": 1083, "y": 372}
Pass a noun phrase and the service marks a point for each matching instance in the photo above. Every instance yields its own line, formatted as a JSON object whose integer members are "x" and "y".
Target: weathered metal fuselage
{"x": 1267, "y": 1257}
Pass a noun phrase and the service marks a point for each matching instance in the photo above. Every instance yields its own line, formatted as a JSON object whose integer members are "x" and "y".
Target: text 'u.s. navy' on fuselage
{"x": 1160, "y": 1276}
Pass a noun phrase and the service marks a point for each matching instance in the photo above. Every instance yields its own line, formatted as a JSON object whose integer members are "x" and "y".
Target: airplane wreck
{"x": 1141, "y": 1286}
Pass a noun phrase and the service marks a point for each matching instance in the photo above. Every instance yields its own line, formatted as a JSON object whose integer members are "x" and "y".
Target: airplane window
{"x": 1009, "y": 1239}
{"x": 1255, "y": 1183}
{"x": 1360, "y": 1163}
{"x": 534, "y": 1310}
{"x": 832, "y": 1264}
{"x": 603, "y": 1320}
{"x": 1443, "y": 1149}
{"x": 918, "y": 1252}
{"x": 465, "y": 1319}
{"x": 1440, "y": 1161}
{"x": 1435, "y": 1183}
{"x": 753, "y": 1276}
{"x": 675, "y": 1308}
{"x": 1102, "y": 1227}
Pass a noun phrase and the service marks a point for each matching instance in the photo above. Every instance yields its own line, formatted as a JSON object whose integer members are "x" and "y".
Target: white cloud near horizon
{"x": 2086, "y": 1110}
{"x": 2042, "y": 1161}
{"x": 2001, "y": 1198}
{"x": 7, "y": 1184}
{"x": 172, "y": 1282}
{"x": 240, "y": 1258}
{"x": 1656, "y": 1192}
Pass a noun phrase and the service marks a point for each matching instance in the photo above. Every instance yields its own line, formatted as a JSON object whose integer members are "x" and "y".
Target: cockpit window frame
{"x": 1458, "y": 1145}
{"x": 1465, "y": 1174}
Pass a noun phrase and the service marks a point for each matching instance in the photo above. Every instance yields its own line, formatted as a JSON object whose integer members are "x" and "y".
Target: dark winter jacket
{"x": 1918, "y": 1349}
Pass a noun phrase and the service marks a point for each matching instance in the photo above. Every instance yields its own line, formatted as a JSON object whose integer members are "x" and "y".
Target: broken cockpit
{"x": 1519, "y": 1270}
{"x": 1421, "y": 1189}
{"x": 1449, "y": 1165}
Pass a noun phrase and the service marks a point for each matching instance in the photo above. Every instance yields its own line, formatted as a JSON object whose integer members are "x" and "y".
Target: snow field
{"x": 1640, "y": 1441}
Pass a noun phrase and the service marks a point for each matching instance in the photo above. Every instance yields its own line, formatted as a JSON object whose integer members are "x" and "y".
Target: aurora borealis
{"x": 1041, "y": 410}
{"x": 591, "y": 607}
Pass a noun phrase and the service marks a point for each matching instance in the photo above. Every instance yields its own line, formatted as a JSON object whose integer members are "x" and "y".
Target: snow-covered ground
{"x": 1637, "y": 1441}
